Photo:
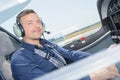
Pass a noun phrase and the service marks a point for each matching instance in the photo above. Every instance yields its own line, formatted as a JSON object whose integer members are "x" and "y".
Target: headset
{"x": 19, "y": 31}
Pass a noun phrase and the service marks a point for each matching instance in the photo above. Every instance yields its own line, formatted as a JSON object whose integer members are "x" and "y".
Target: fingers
{"x": 112, "y": 46}
{"x": 105, "y": 73}
{"x": 112, "y": 71}
{"x": 112, "y": 68}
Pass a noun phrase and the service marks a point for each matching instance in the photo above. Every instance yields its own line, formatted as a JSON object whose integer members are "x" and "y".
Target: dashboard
{"x": 113, "y": 20}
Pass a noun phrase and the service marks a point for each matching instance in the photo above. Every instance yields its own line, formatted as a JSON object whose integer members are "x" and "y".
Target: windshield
{"x": 5, "y": 4}
{"x": 65, "y": 20}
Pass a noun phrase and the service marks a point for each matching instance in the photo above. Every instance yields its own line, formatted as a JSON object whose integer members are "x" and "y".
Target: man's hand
{"x": 105, "y": 73}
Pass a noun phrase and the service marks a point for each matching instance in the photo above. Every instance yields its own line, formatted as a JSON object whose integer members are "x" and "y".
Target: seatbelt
{"x": 57, "y": 53}
{"x": 47, "y": 56}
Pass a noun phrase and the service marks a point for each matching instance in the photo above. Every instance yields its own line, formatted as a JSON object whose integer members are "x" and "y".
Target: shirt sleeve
{"x": 25, "y": 69}
{"x": 86, "y": 78}
{"x": 74, "y": 55}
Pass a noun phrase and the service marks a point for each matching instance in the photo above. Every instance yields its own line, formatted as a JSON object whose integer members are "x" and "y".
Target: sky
{"x": 62, "y": 16}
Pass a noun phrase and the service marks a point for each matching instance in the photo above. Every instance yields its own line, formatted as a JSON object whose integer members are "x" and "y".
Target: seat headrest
{"x": 6, "y": 45}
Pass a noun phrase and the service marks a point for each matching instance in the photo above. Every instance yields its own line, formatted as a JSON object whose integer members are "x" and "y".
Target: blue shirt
{"x": 27, "y": 65}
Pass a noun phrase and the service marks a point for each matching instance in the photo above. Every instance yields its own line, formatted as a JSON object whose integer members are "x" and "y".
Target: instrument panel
{"x": 113, "y": 20}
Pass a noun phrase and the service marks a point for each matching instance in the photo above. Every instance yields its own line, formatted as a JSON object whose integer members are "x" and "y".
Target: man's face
{"x": 32, "y": 26}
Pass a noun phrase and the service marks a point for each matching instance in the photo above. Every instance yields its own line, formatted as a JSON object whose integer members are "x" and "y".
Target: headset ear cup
{"x": 17, "y": 30}
{"x": 43, "y": 27}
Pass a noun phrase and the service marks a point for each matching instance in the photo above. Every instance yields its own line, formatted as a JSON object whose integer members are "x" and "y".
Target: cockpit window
{"x": 65, "y": 20}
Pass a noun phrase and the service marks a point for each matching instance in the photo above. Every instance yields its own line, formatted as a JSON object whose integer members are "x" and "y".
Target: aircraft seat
{"x": 6, "y": 48}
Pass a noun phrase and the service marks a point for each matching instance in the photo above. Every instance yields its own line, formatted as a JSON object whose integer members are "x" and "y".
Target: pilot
{"x": 38, "y": 56}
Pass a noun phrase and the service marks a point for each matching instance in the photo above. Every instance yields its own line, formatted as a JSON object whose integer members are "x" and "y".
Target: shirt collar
{"x": 31, "y": 46}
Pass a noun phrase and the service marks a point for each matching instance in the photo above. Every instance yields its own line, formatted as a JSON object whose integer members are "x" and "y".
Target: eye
{"x": 29, "y": 23}
{"x": 39, "y": 21}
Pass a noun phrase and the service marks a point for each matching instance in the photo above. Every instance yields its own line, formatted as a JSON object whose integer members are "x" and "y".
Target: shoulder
{"x": 16, "y": 54}
{"x": 20, "y": 54}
